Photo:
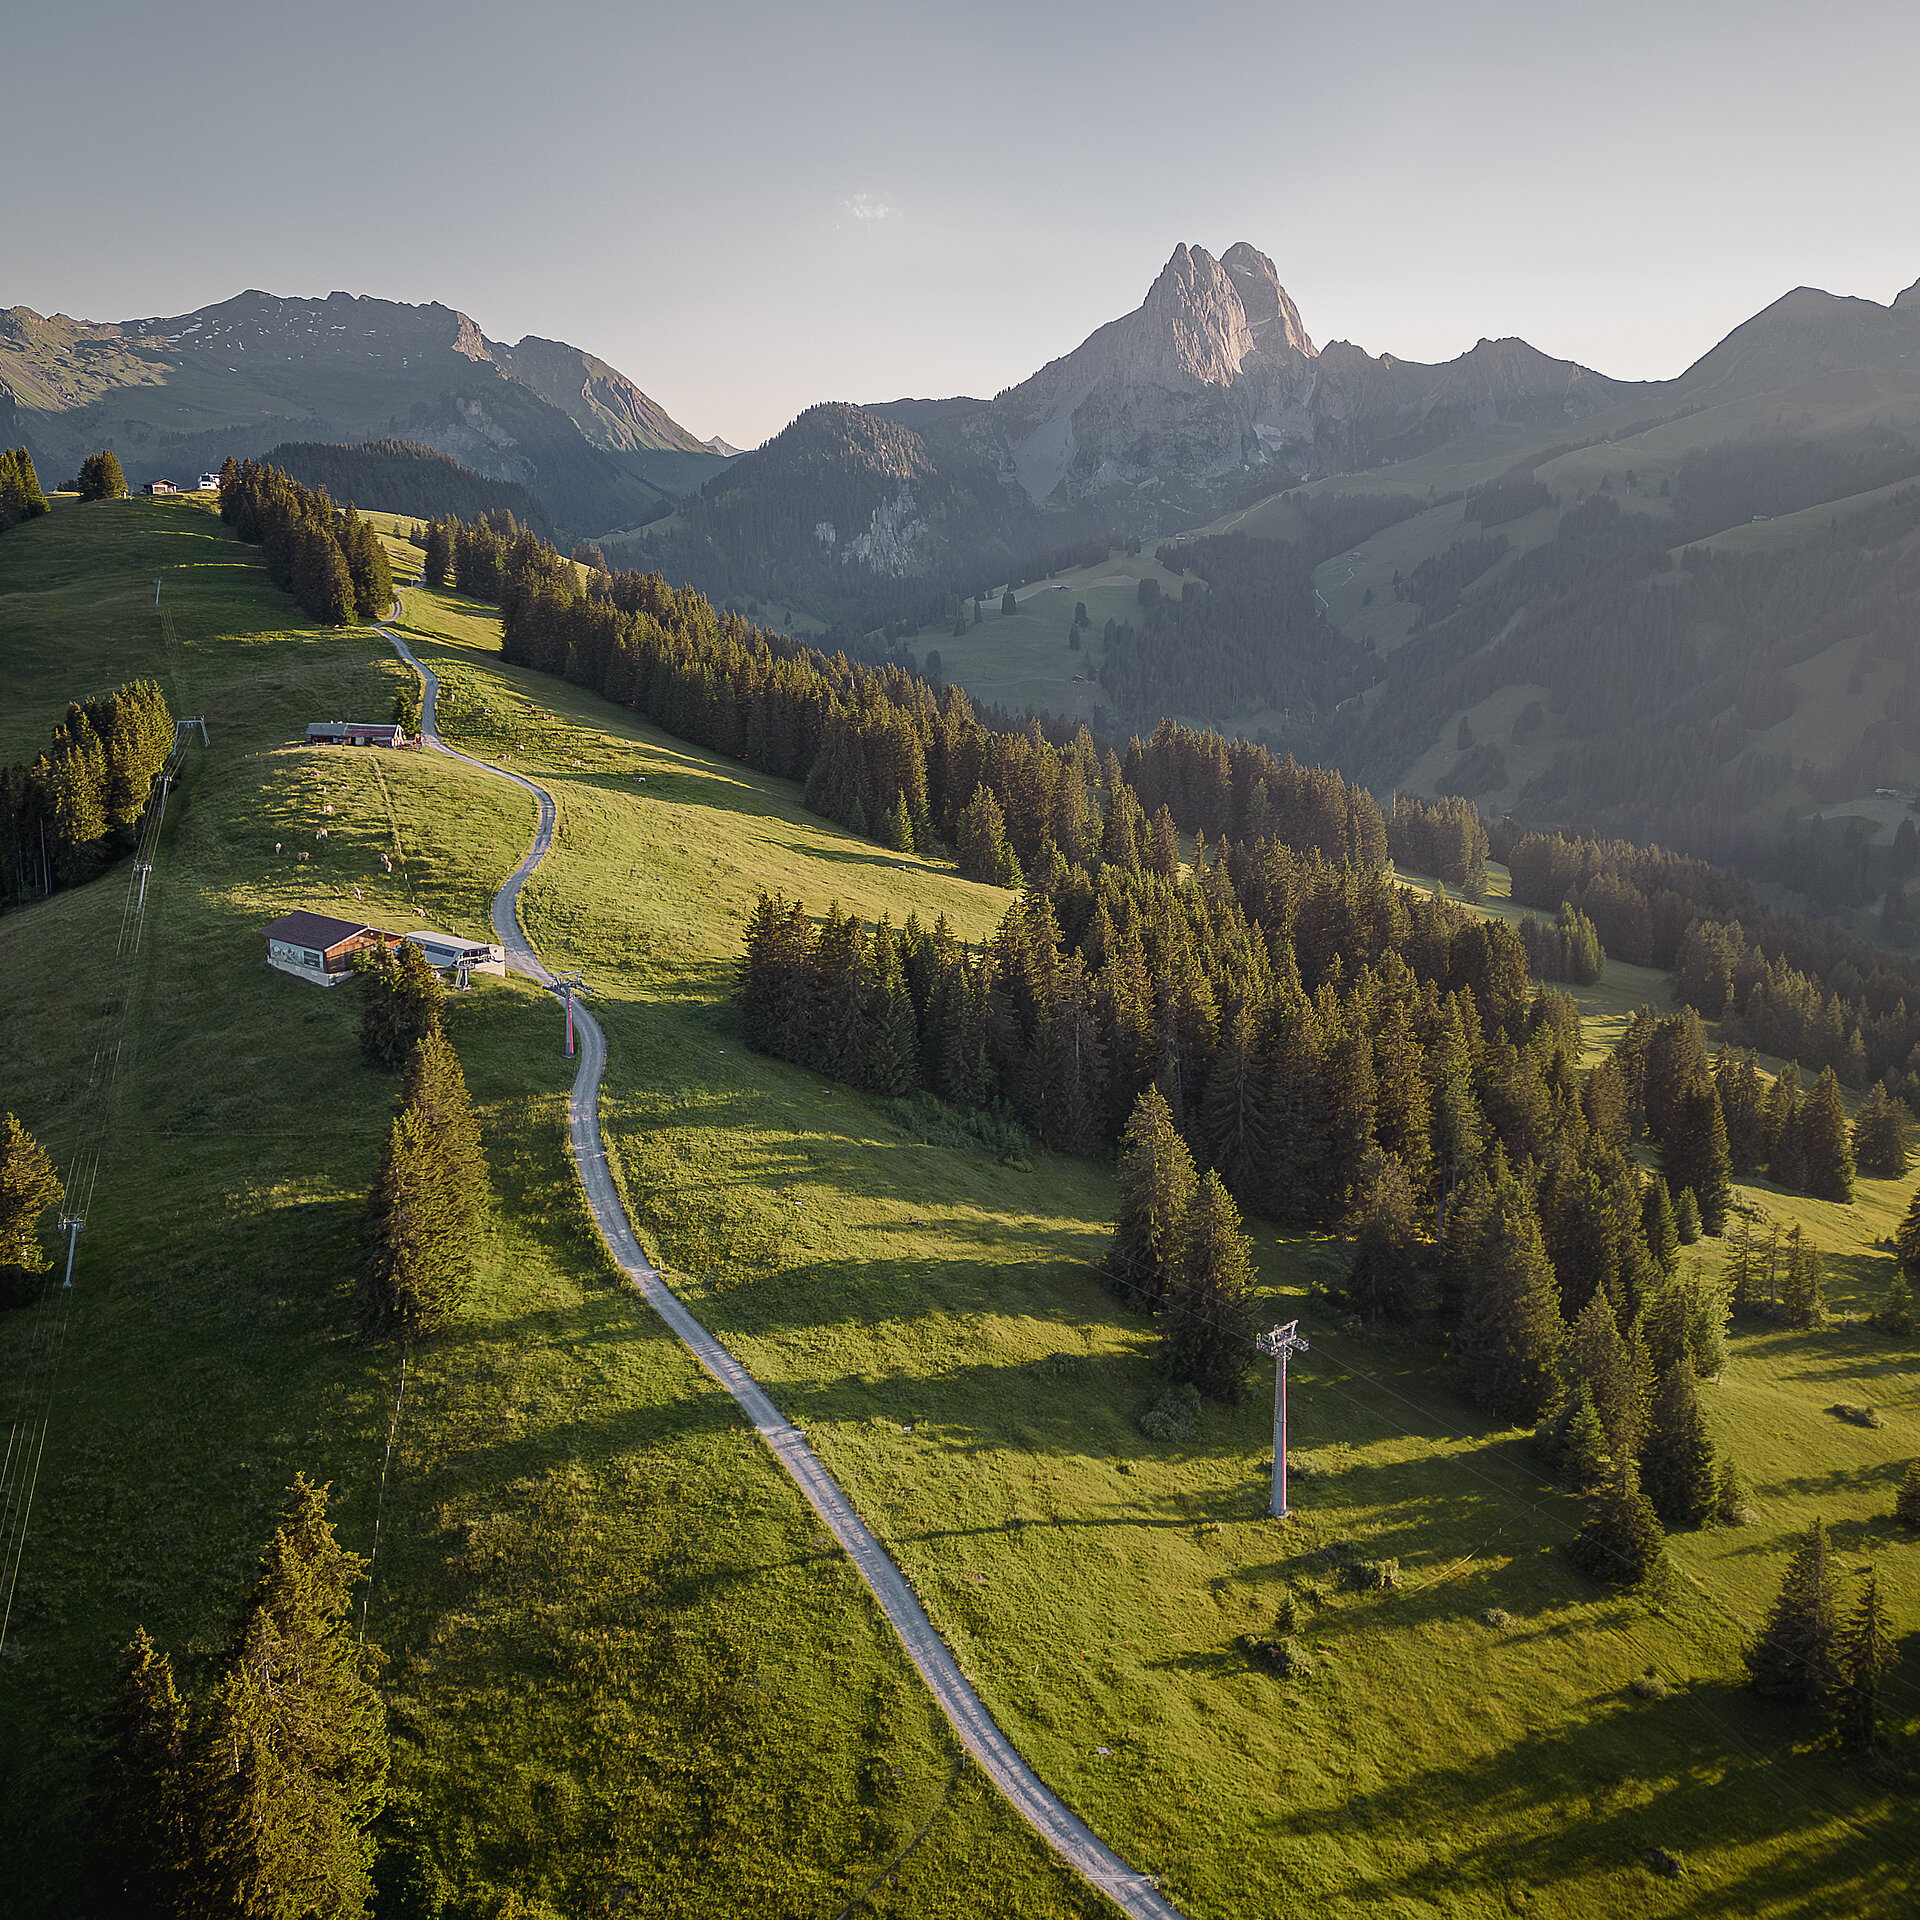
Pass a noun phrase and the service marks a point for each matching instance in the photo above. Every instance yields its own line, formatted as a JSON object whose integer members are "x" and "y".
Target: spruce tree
{"x": 1676, "y": 1460}
{"x": 1163, "y": 846}
{"x": 418, "y": 1260}
{"x": 1802, "y": 1297}
{"x": 436, "y": 1089}
{"x": 1621, "y": 1542}
{"x": 101, "y": 478}
{"x": 1686, "y": 1218}
{"x": 890, "y": 1065}
{"x": 28, "y": 1187}
{"x": 1156, "y": 1190}
{"x": 1598, "y": 1358}
{"x": 1896, "y": 1315}
{"x": 1658, "y": 1226}
{"x": 1383, "y": 1279}
{"x": 1206, "y": 1338}
{"x": 400, "y": 1004}
{"x": 1511, "y": 1332}
{"x": 1693, "y": 1153}
{"x": 1574, "y": 1441}
{"x": 1824, "y": 1146}
{"x": 1732, "y": 1502}
{"x": 1880, "y": 1136}
{"x": 140, "y": 1840}
{"x": 1867, "y": 1657}
{"x": 981, "y": 842}
{"x": 1797, "y": 1654}
{"x": 290, "y": 1768}
{"x": 1785, "y": 1165}
{"x": 1906, "y": 1239}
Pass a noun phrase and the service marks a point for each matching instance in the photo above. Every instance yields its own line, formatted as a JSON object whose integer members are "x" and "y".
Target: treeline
{"x": 1446, "y": 838}
{"x": 1246, "y": 633}
{"x": 20, "y": 494}
{"x": 407, "y": 477}
{"x": 256, "y": 1795}
{"x": 1801, "y": 989}
{"x": 330, "y": 560}
{"x": 73, "y": 810}
{"x": 885, "y": 753}
{"x": 1566, "y": 949}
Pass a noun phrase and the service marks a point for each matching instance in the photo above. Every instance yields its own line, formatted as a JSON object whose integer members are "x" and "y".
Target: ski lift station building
{"x": 319, "y": 949}
{"x": 356, "y": 733}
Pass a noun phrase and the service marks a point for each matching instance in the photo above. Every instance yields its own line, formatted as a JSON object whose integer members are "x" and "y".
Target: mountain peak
{"x": 1272, "y": 318}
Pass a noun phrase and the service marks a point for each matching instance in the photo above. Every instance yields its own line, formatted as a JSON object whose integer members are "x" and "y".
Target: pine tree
{"x": 1156, "y": 1190}
{"x": 290, "y": 1768}
{"x": 401, "y": 1001}
{"x": 1906, "y": 1238}
{"x": 891, "y": 1063}
{"x": 1867, "y": 1657}
{"x": 1207, "y": 1332}
{"x": 1676, "y": 1461}
{"x": 101, "y": 478}
{"x": 1906, "y": 1503}
{"x": 28, "y": 1187}
{"x": 1786, "y": 1167}
{"x": 1658, "y": 1225}
{"x": 418, "y": 1261}
{"x": 1802, "y": 1300}
{"x": 140, "y": 1840}
{"x": 1383, "y": 1279}
{"x": 1686, "y": 1218}
{"x": 1824, "y": 1146}
{"x": 1163, "y": 846}
{"x": 1880, "y": 1136}
{"x": 1598, "y": 1358}
{"x": 1896, "y": 1316}
{"x": 439, "y": 556}
{"x": 1732, "y": 1503}
{"x": 1511, "y": 1332}
{"x": 1574, "y": 1441}
{"x": 1621, "y": 1542}
{"x": 981, "y": 842}
{"x": 1797, "y": 1656}
{"x": 435, "y": 1087}
{"x": 1693, "y": 1153}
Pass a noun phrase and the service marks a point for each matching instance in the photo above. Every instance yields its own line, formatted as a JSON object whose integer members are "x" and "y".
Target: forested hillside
{"x": 405, "y": 477}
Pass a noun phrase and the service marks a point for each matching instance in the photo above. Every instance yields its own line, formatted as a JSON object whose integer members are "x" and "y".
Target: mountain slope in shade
{"x": 174, "y": 394}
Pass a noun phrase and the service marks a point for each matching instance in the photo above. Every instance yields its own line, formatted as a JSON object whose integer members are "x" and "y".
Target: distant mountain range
{"x": 173, "y": 396}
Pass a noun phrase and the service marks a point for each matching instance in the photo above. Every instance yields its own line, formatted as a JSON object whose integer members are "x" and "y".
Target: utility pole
{"x": 143, "y": 868}
{"x": 1279, "y": 1343}
{"x": 70, "y": 1224}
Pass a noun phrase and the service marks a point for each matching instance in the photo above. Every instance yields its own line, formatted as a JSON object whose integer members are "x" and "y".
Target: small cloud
{"x": 867, "y": 208}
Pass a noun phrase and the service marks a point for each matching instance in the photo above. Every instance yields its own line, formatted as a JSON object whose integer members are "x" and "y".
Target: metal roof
{"x": 318, "y": 930}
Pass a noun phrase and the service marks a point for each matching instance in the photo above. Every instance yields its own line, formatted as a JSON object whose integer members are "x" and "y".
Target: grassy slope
{"x": 619, "y": 1651}
{"x": 932, "y": 1319}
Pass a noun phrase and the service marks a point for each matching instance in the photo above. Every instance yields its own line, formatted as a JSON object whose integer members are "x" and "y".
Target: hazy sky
{"x": 749, "y": 208}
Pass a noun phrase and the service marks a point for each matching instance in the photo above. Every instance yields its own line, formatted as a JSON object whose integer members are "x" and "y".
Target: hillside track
{"x": 1131, "y": 1891}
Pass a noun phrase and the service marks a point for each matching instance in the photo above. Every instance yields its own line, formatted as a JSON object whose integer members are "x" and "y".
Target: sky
{"x": 750, "y": 208}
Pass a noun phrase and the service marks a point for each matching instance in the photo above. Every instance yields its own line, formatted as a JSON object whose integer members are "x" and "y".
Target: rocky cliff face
{"x": 1214, "y": 378}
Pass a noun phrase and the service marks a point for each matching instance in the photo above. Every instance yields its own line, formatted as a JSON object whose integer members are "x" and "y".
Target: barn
{"x": 356, "y": 733}
{"x": 317, "y": 948}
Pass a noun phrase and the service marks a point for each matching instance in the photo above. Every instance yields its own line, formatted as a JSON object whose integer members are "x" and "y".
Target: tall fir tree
{"x": 1676, "y": 1460}
{"x": 289, "y": 1769}
{"x": 401, "y": 999}
{"x": 418, "y": 1260}
{"x": 1867, "y": 1657}
{"x": 1511, "y": 1332}
{"x": 1880, "y": 1136}
{"x": 1693, "y": 1154}
{"x": 1621, "y": 1542}
{"x": 1156, "y": 1190}
{"x": 1206, "y": 1333}
{"x": 1383, "y": 1279}
{"x": 1825, "y": 1148}
{"x": 1797, "y": 1654}
{"x": 1657, "y": 1224}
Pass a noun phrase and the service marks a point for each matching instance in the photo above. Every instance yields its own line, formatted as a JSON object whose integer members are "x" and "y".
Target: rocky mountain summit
{"x": 1214, "y": 378}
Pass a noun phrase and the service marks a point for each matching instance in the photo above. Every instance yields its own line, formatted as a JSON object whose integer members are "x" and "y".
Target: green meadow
{"x": 620, "y": 1656}
{"x": 623, "y": 1663}
{"x": 933, "y": 1319}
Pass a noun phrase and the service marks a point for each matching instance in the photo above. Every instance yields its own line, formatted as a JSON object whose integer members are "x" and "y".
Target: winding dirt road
{"x": 1076, "y": 1843}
